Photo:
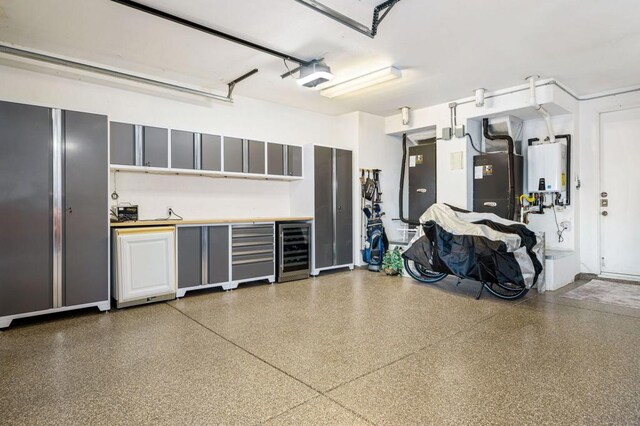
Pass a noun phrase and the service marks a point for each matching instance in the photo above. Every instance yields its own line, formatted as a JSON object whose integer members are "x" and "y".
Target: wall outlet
{"x": 566, "y": 225}
{"x": 169, "y": 211}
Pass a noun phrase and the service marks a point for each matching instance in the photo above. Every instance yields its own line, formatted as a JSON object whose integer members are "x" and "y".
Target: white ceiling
{"x": 446, "y": 48}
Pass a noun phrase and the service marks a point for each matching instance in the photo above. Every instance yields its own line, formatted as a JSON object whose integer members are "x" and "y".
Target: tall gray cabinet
{"x": 333, "y": 199}
{"x": 53, "y": 181}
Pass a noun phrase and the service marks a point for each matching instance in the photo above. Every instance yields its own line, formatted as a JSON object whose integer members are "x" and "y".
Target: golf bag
{"x": 377, "y": 242}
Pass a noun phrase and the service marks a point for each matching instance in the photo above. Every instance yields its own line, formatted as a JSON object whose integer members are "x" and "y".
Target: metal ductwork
{"x": 504, "y": 125}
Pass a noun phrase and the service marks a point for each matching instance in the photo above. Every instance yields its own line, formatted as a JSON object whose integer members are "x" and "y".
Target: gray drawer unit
{"x": 233, "y": 155}
{"x": 155, "y": 146}
{"x": 211, "y": 146}
{"x": 255, "y": 269}
{"x": 182, "y": 150}
{"x": 252, "y": 252}
{"x": 123, "y": 144}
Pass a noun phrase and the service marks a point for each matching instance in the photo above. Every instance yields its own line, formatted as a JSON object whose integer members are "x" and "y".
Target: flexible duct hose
{"x": 511, "y": 160}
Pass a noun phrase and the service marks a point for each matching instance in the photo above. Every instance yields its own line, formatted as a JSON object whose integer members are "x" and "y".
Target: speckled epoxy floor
{"x": 344, "y": 348}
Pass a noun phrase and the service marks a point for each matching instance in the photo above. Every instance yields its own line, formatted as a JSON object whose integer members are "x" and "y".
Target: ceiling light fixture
{"x": 362, "y": 82}
{"x": 314, "y": 74}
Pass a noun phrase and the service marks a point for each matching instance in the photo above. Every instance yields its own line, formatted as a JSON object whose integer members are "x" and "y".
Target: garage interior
{"x": 319, "y": 212}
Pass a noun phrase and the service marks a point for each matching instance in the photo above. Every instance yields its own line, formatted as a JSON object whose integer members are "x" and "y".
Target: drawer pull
{"x": 248, "y": 261}
{"x": 242, "y": 253}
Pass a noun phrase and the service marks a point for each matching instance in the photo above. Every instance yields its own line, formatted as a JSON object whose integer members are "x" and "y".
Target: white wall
{"x": 590, "y": 174}
{"x": 376, "y": 150}
{"x": 191, "y": 196}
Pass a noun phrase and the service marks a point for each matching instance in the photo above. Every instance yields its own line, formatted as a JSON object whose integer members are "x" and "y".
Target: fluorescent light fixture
{"x": 314, "y": 74}
{"x": 364, "y": 81}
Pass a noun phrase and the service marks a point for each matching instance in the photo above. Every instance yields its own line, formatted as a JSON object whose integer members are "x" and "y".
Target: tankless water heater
{"x": 547, "y": 167}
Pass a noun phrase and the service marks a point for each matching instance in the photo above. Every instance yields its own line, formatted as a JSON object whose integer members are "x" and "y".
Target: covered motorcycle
{"x": 477, "y": 246}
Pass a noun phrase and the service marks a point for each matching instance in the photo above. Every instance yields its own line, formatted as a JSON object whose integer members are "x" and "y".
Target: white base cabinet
{"x": 145, "y": 265}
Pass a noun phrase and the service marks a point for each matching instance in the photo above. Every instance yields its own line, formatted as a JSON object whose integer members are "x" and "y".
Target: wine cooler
{"x": 293, "y": 251}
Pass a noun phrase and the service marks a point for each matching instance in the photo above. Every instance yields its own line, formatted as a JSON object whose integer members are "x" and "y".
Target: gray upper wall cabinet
{"x": 155, "y": 146}
{"x": 284, "y": 160}
{"x": 256, "y": 157}
{"x": 233, "y": 155}
{"x": 145, "y": 146}
{"x": 182, "y": 150}
{"x": 275, "y": 159}
{"x": 211, "y": 152}
{"x": 123, "y": 144}
{"x": 294, "y": 160}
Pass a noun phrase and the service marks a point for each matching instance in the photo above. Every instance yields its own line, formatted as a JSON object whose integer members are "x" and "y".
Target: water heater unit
{"x": 547, "y": 167}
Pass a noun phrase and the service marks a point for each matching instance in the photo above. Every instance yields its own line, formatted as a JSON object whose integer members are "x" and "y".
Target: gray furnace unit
{"x": 491, "y": 172}
{"x": 422, "y": 177}
{"x": 491, "y": 183}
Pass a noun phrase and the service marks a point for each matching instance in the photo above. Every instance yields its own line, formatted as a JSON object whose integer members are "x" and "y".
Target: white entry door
{"x": 619, "y": 197}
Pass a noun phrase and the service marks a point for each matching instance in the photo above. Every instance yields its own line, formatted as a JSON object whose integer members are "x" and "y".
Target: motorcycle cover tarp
{"x": 477, "y": 246}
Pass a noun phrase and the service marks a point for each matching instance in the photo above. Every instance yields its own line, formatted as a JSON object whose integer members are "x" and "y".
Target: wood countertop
{"x": 142, "y": 223}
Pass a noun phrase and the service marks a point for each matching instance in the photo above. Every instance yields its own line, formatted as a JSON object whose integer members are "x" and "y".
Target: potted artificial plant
{"x": 392, "y": 262}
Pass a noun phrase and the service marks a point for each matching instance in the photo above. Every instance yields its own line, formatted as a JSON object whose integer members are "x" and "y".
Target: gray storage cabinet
{"x": 244, "y": 156}
{"x": 294, "y": 160}
{"x": 233, "y": 155}
{"x": 25, "y": 205}
{"x": 123, "y": 144}
{"x": 255, "y": 157}
{"x": 284, "y": 160}
{"x": 86, "y": 231}
{"x": 203, "y": 255}
{"x": 182, "y": 150}
{"x": 333, "y": 193}
{"x": 155, "y": 146}
{"x": 275, "y": 159}
{"x": 211, "y": 152}
{"x": 53, "y": 181}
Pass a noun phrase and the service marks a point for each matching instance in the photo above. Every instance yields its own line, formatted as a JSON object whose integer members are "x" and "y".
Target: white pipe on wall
{"x": 534, "y": 103}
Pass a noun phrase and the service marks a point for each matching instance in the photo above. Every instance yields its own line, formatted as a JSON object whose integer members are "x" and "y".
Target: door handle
{"x": 69, "y": 210}
{"x": 605, "y": 213}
